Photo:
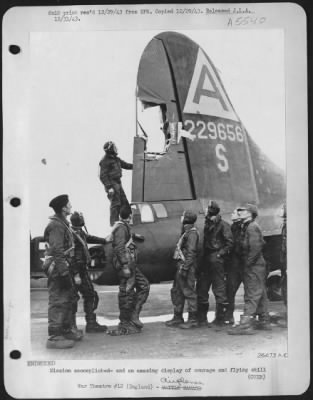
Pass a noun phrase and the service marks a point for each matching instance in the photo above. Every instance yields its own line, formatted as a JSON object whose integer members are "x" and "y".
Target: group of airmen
{"x": 231, "y": 255}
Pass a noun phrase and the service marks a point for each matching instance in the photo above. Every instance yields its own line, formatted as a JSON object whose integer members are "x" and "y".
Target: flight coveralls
{"x": 255, "y": 272}
{"x": 61, "y": 290}
{"x": 283, "y": 261}
{"x": 134, "y": 287}
{"x": 110, "y": 175}
{"x": 184, "y": 285}
{"x": 79, "y": 266}
{"x": 235, "y": 271}
{"x": 217, "y": 245}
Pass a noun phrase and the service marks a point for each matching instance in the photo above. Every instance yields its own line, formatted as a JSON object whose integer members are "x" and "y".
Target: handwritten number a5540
{"x": 241, "y": 21}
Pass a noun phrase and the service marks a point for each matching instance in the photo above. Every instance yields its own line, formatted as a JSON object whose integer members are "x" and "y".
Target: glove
{"x": 48, "y": 265}
{"x": 137, "y": 237}
{"x": 77, "y": 279}
{"x": 183, "y": 273}
{"x": 125, "y": 272}
{"x": 65, "y": 282}
{"x": 130, "y": 283}
{"x": 111, "y": 193}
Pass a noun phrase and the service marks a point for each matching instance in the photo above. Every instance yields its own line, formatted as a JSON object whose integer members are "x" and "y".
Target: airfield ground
{"x": 156, "y": 340}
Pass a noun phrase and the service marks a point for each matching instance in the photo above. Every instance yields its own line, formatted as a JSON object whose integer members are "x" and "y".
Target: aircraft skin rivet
{"x": 14, "y": 49}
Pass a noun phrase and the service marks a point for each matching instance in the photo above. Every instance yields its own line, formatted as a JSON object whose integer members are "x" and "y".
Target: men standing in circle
{"x": 283, "y": 262}
{"x": 134, "y": 287}
{"x": 61, "y": 291}
{"x": 184, "y": 285}
{"x": 80, "y": 275}
{"x": 217, "y": 245}
{"x": 235, "y": 268}
{"x": 255, "y": 295}
{"x": 110, "y": 175}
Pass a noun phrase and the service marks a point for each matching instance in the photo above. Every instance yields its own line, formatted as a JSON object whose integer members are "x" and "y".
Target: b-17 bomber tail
{"x": 208, "y": 153}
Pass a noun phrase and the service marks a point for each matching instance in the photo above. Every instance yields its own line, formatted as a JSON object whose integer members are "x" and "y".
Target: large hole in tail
{"x": 151, "y": 125}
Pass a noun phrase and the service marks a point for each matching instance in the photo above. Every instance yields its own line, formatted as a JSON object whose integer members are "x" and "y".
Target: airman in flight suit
{"x": 255, "y": 272}
{"x": 80, "y": 274}
{"x": 110, "y": 175}
{"x": 59, "y": 255}
{"x": 184, "y": 285}
{"x": 217, "y": 245}
{"x": 134, "y": 287}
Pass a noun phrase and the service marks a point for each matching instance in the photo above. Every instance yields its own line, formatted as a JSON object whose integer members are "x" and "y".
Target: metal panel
{"x": 166, "y": 178}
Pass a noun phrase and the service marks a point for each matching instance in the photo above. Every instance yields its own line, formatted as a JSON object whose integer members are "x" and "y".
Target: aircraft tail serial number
{"x": 215, "y": 131}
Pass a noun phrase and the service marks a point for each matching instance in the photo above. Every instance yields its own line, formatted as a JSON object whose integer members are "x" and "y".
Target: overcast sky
{"x": 83, "y": 94}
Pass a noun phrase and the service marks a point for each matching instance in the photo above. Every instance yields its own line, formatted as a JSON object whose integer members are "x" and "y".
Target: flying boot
{"x": 90, "y": 305}
{"x": 192, "y": 321}
{"x": 229, "y": 316}
{"x": 280, "y": 320}
{"x": 244, "y": 328}
{"x": 282, "y": 323}
{"x": 283, "y": 320}
{"x": 124, "y": 328}
{"x": 135, "y": 316}
{"x": 73, "y": 333}
{"x": 59, "y": 342}
{"x": 202, "y": 315}
{"x": 93, "y": 326}
{"x": 219, "y": 320}
{"x": 263, "y": 323}
{"x": 176, "y": 320}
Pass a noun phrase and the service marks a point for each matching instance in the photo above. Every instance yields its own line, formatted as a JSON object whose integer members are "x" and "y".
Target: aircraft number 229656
{"x": 214, "y": 130}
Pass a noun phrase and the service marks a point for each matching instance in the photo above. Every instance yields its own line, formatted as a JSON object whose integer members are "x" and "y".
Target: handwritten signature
{"x": 180, "y": 381}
